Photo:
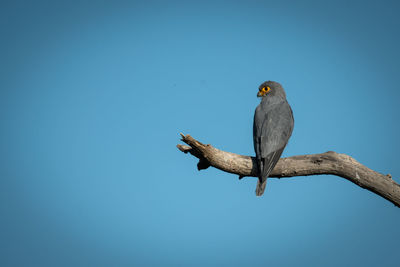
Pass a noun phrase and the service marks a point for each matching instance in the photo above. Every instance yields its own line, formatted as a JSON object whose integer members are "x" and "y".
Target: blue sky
{"x": 93, "y": 97}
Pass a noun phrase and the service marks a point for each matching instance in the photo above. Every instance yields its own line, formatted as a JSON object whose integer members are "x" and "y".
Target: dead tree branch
{"x": 326, "y": 163}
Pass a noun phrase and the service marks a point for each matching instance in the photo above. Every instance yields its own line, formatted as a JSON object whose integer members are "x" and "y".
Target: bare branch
{"x": 326, "y": 163}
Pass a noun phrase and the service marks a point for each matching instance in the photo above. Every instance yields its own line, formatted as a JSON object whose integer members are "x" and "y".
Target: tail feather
{"x": 266, "y": 165}
{"x": 260, "y": 187}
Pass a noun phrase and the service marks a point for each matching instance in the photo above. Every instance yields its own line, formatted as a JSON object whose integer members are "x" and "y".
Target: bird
{"x": 272, "y": 127}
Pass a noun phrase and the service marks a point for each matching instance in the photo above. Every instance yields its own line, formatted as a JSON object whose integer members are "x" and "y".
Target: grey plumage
{"x": 272, "y": 128}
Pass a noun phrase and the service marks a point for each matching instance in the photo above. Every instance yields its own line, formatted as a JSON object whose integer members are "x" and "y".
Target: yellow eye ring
{"x": 265, "y": 90}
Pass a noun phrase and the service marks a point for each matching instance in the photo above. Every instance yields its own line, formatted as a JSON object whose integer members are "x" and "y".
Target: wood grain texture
{"x": 329, "y": 162}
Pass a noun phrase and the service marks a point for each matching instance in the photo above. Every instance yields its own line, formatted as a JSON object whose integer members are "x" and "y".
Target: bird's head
{"x": 270, "y": 88}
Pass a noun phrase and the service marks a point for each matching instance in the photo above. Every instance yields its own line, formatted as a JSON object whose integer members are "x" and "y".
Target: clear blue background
{"x": 94, "y": 95}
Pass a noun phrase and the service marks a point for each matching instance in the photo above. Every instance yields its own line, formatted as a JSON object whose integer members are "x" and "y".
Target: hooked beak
{"x": 262, "y": 92}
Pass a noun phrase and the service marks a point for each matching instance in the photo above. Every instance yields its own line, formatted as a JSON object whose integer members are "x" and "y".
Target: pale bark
{"x": 326, "y": 163}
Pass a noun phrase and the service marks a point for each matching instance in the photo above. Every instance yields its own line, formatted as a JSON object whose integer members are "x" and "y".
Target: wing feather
{"x": 272, "y": 128}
